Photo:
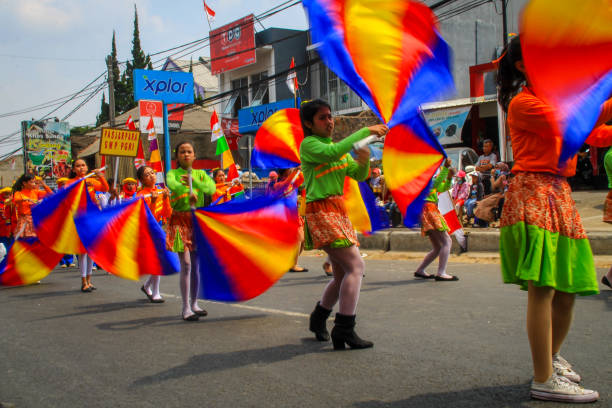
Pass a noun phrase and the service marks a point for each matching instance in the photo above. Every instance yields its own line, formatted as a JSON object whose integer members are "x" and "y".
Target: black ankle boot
{"x": 318, "y": 318}
{"x": 343, "y": 332}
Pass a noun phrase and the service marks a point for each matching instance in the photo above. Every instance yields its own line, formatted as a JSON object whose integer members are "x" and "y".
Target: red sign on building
{"x": 233, "y": 45}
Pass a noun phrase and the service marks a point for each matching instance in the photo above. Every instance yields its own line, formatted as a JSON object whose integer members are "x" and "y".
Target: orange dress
{"x": 23, "y": 201}
{"x": 162, "y": 210}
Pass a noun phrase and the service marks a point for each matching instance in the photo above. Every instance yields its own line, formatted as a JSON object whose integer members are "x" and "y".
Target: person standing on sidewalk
{"x": 607, "y": 278}
{"x": 543, "y": 245}
{"x": 325, "y": 165}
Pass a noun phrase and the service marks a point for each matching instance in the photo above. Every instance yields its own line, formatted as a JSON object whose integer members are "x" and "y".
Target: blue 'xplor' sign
{"x": 166, "y": 86}
{"x": 251, "y": 118}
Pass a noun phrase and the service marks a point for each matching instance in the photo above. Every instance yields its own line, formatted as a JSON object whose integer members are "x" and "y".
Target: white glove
{"x": 366, "y": 141}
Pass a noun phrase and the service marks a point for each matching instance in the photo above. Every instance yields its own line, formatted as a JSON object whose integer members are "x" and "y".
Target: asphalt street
{"x": 436, "y": 344}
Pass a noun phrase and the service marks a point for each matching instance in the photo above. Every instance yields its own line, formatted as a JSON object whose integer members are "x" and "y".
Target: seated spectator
{"x": 460, "y": 192}
{"x": 375, "y": 181}
{"x": 476, "y": 194}
{"x": 486, "y": 162}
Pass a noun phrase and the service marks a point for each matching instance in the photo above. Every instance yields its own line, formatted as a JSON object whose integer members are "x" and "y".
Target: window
{"x": 240, "y": 98}
{"x": 335, "y": 91}
{"x": 259, "y": 89}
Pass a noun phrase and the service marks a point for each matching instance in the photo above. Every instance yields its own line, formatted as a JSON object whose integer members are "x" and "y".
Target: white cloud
{"x": 47, "y": 14}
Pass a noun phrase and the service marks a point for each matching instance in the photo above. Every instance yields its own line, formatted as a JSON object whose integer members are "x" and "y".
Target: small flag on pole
{"x": 215, "y": 127}
{"x": 210, "y": 14}
{"x": 130, "y": 123}
{"x": 139, "y": 160}
{"x": 292, "y": 82}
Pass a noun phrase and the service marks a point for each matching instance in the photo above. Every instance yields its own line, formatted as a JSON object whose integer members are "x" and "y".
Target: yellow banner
{"x": 119, "y": 142}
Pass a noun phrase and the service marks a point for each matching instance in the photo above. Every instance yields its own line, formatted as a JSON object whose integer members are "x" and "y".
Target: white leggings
{"x": 86, "y": 265}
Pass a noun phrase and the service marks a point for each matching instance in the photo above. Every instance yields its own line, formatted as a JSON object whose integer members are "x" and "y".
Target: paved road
{"x": 436, "y": 345}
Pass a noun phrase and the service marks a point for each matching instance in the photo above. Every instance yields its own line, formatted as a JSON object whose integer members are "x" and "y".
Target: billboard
{"x": 233, "y": 45}
{"x": 46, "y": 147}
{"x": 447, "y": 123}
{"x": 165, "y": 86}
{"x": 251, "y": 118}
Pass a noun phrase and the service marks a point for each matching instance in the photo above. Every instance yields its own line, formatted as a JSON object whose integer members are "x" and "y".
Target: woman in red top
{"x": 543, "y": 245}
{"x": 94, "y": 183}
{"x": 26, "y": 194}
{"x": 158, "y": 200}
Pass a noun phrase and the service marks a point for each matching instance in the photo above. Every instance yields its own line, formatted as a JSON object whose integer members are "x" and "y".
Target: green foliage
{"x": 103, "y": 115}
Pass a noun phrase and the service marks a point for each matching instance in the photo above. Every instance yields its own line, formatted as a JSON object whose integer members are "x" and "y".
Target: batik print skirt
{"x": 327, "y": 224}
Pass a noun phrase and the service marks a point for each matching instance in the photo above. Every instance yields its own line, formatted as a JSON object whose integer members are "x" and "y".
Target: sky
{"x": 53, "y": 48}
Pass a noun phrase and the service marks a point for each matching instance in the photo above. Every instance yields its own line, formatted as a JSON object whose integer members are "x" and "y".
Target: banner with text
{"x": 46, "y": 147}
{"x": 119, "y": 142}
{"x": 233, "y": 45}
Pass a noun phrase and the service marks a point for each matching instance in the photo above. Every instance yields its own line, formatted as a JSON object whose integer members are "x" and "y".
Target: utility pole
{"x": 505, "y": 21}
{"x": 111, "y": 111}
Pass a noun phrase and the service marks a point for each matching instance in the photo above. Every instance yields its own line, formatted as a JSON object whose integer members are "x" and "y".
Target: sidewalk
{"x": 486, "y": 240}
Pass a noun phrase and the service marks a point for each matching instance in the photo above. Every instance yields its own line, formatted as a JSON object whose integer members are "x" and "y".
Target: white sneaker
{"x": 564, "y": 369}
{"x": 561, "y": 389}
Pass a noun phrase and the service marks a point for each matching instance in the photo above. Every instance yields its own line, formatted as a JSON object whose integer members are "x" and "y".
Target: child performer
{"x": 434, "y": 227}
{"x": 5, "y": 217}
{"x": 325, "y": 165}
{"x": 26, "y": 194}
{"x": 68, "y": 259}
{"x": 159, "y": 203}
{"x": 543, "y": 245}
{"x": 180, "y": 231}
{"x": 224, "y": 190}
{"x": 95, "y": 183}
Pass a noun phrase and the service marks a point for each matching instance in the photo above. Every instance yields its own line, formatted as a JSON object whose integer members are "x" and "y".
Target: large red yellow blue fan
{"x": 244, "y": 247}
{"x": 126, "y": 241}
{"x": 567, "y": 51}
{"x": 54, "y": 216}
{"x": 277, "y": 142}
{"x": 26, "y": 262}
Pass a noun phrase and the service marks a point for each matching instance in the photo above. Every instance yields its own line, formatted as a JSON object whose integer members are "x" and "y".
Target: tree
{"x": 139, "y": 60}
{"x": 103, "y": 116}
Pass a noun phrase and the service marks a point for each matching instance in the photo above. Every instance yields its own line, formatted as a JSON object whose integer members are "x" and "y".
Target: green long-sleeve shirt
{"x": 608, "y": 166}
{"x": 325, "y": 164}
{"x": 440, "y": 185}
{"x": 179, "y": 199}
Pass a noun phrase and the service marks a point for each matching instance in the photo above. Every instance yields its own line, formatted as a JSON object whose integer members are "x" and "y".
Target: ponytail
{"x": 509, "y": 79}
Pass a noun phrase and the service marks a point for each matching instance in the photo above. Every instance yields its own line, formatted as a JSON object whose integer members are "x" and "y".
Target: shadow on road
{"x": 604, "y": 296}
{"x": 367, "y": 286}
{"x": 205, "y": 363}
{"x": 498, "y": 396}
{"x": 174, "y": 319}
{"x": 103, "y": 308}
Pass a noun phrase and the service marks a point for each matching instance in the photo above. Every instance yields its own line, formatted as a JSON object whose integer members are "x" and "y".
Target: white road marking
{"x": 249, "y": 307}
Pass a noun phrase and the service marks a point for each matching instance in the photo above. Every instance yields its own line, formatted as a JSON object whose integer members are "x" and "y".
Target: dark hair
{"x": 509, "y": 79}
{"x": 18, "y": 186}
{"x": 176, "y": 149}
{"x": 76, "y": 160}
{"x": 308, "y": 110}
{"x": 217, "y": 171}
{"x": 140, "y": 172}
{"x": 487, "y": 141}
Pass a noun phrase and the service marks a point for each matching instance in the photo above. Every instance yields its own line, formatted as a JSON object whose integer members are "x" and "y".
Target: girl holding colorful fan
{"x": 26, "y": 194}
{"x": 188, "y": 187}
{"x": 95, "y": 183}
{"x": 325, "y": 165}
{"x": 158, "y": 200}
{"x": 543, "y": 245}
{"x": 434, "y": 227}
{"x": 224, "y": 190}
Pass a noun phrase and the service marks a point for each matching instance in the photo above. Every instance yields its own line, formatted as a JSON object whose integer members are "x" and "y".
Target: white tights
{"x": 86, "y": 265}
{"x": 348, "y": 270}
{"x": 441, "y": 245}
{"x": 189, "y": 282}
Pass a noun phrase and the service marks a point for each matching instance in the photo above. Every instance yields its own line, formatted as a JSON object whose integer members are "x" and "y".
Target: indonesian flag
{"x": 292, "y": 82}
{"x": 210, "y": 14}
{"x": 151, "y": 129}
{"x": 447, "y": 209}
{"x": 130, "y": 123}
{"x": 215, "y": 126}
{"x": 139, "y": 160}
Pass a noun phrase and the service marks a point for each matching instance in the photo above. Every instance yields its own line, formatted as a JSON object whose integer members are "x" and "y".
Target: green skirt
{"x": 542, "y": 238}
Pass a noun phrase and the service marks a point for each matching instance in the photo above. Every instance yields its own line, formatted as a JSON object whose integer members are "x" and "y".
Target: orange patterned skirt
{"x": 25, "y": 222}
{"x": 431, "y": 219}
{"x": 328, "y": 225}
{"x": 180, "y": 232}
{"x": 607, "y": 216}
{"x": 545, "y": 201}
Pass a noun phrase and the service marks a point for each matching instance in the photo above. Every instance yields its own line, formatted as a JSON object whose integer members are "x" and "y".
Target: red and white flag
{"x": 130, "y": 123}
{"x": 447, "y": 209}
{"x": 139, "y": 160}
{"x": 292, "y": 82}
{"x": 215, "y": 127}
{"x": 210, "y": 14}
{"x": 151, "y": 129}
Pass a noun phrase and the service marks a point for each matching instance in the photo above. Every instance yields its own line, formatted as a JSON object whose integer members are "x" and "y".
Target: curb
{"x": 410, "y": 240}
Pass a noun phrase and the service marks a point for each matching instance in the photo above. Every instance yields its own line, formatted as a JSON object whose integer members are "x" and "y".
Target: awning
{"x": 91, "y": 149}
